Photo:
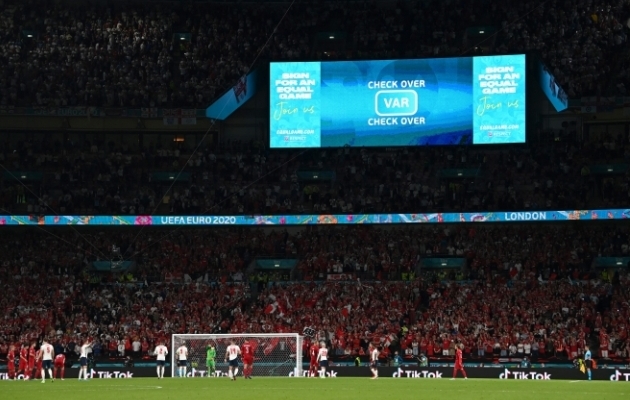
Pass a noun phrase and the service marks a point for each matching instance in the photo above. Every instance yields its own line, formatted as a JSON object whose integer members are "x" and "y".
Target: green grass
{"x": 310, "y": 389}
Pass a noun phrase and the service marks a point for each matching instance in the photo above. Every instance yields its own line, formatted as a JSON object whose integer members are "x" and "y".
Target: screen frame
{"x": 528, "y": 82}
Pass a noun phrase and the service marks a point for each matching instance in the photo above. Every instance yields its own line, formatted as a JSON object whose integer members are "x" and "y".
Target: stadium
{"x": 297, "y": 199}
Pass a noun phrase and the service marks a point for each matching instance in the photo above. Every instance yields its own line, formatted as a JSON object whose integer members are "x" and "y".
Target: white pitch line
{"x": 93, "y": 388}
{"x": 336, "y": 389}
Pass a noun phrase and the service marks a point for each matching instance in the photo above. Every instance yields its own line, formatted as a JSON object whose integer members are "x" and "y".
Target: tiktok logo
{"x": 5, "y": 377}
{"x": 416, "y": 374}
{"x": 507, "y": 374}
{"x": 306, "y": 374}
{"x": 110, "y": 375}
{"x": 620, "y": 376}
{"x": 195, "y": 372}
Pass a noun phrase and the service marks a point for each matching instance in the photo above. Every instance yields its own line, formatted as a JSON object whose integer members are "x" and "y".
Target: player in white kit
{"x": 322, "y": 358}
{"x": 182, "y": 360}
{"x": 232, "y": 353}
{"x": 161, "y": 352}
{"x": 374, "y": 361}
{"x": 46, "y": 354}
{"x": 83, "y": 359}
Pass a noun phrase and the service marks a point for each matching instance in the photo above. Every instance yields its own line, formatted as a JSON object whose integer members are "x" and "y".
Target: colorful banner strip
{"x": 321, "y": 219}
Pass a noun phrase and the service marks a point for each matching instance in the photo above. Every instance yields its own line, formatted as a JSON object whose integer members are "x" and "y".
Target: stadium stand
{"x": 522, "y": 285}
{"x": 246, "y": 179}
{"x": 131, "y": 55}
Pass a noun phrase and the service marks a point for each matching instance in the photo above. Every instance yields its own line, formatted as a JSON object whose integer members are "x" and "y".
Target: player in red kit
{"x": 23, "y": 365}
{"x": 459, "y": 362}
{"x": 60, "y": 365}
{"x": 11, "y": 362}
{"x": 247, "y": 354}
{"x": 313, "y": 352}
{"x": 30, "y": 370}
{"x": 38, "y": 365}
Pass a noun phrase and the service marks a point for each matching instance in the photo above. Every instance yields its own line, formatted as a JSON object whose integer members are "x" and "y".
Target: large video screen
{"x": 442, "y": 101}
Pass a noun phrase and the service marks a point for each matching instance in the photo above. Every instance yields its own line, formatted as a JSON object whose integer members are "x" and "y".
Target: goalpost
{"x": 275, "y": 354}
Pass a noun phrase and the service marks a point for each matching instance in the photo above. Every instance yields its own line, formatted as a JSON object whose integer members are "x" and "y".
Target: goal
{"x": 275, "y": 354}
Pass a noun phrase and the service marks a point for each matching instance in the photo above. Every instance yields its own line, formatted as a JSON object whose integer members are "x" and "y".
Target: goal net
{"x": 275, "y": 354}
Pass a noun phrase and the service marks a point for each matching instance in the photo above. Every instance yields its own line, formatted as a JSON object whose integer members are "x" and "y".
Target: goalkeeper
{"x": 211, "y": 354}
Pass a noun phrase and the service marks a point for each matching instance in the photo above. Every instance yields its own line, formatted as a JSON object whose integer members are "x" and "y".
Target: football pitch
{"x": 311, "y": 389}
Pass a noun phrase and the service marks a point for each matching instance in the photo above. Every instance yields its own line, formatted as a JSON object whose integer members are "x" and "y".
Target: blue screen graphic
{"x": 445, "y": 101}
{"x": 556, "y": 95}
{"x": 238, "y": 95}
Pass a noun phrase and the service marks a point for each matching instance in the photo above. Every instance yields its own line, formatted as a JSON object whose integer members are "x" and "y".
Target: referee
{"x": 588, "y": 360}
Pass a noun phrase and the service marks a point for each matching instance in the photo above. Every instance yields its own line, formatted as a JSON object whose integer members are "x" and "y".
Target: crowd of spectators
{"x": 541, "y": 320}
{"x": 522, "y": 280}
{"x": 247, "y": 179}
{"x": 131, "y": 54}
